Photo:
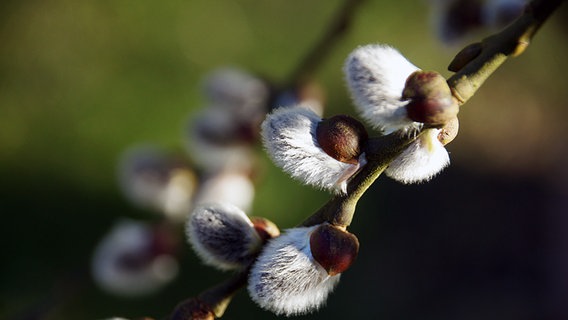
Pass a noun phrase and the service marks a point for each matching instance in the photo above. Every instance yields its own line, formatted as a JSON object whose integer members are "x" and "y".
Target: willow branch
{"x": 380, "y": 151}
{"x": 214, "y": 300}
{"x": 478, "y": 61}
{"x": 475, "y": 64}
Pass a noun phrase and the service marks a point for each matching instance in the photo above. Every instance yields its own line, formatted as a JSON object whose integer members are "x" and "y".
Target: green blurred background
{"x": 83, "y": 80}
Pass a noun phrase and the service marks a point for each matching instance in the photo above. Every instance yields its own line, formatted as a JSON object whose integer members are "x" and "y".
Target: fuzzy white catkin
{"x": 421, "y": 161}
{"x": 234, "y": 187}
{"x": 130, "y": 238}
{"x": 237, "y": 91}
{"x": 289, "y": 136}
{"x": 153, "y": 179}
{"x": 222, "y": 236}
{"x": 285, "y": 279}
{"x": 376, "y": 75}
{"x": 212, "y": 156}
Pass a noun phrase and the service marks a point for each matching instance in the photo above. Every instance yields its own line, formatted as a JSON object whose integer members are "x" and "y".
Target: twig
{"x": 494, "y": 50}
{"x": 336, "y": 29}
{"x": 380, "y": 152}
{"x": 212, "y": 302}
{"x": 218, "y": 298}
{"x": 476, "y": 68}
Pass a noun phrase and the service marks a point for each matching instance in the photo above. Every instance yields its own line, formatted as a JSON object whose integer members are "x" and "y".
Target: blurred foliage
{"x": 82, "y": 81}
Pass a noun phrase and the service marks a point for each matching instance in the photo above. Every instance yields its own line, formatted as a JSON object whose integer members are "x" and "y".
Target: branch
{"x": 380, "y": 151}
{"x": 212, "y": 302}
{"x": 477, "y": 62}
{"x": 474, "y": 64}
{"x": 336, "y": 29}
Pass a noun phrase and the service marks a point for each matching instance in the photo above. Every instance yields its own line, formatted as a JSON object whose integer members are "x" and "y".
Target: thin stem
{"x": 340, "y": 210}
{"x": 212, "y": 302}
{"x": 380, "y": 151}
{"x": 495, "y": 50}
{"x": 315, "y": 57}
{"x": 219, "y": 296}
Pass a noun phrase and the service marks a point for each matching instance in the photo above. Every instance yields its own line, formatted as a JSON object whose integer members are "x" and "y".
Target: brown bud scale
{"x": 342, "y": 137}
{"x": 265, "y": 228}
{"x": 465, "y": 56}
{"x": 193, "y": 309}
{"x": 333, "y": 248}
{"x": 431, "y": 100}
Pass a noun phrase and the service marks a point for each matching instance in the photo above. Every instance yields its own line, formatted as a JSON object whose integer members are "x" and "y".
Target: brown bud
{"x": 192, "y": 309}
{"x": 465, "y": 56}
{"x": 333, "y": 248}
{"x": 431, "y": 100}
{"x": 342, "y": 137}
{"x": 265, "y": 228}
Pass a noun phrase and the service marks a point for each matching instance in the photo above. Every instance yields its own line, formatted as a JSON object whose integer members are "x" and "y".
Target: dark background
{"x": 82, "y": 81}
